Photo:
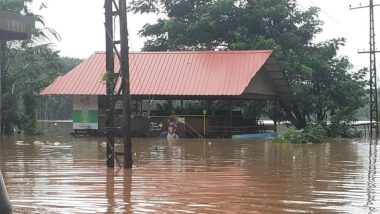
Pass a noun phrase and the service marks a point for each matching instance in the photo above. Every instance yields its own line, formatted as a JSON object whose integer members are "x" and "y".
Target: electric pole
{"x": 110, "y": 82}
{"x": 117, "y": 9}
{"x": 373, "y": 105}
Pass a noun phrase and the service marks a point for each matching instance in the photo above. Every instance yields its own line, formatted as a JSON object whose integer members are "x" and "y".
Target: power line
{"x": 323, "y": 11}
{"x": 374, "y": 114}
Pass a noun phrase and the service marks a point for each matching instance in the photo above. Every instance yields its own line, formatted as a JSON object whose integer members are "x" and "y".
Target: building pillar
{"x": 3, "y": 48}
{"x": 5, "y": 204}
{"x": 170, "y": 107}
{"x": 275, "y": 109}
{"x": 230, "y": 115}
{"x": 141, "y": 106}
{"x": 182, "y": 107}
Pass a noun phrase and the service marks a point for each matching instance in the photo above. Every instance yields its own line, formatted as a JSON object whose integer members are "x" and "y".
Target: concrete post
{"x": 5, "y": 204}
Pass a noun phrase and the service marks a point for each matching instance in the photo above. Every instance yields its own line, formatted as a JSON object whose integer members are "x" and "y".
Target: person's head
{"x": 172, "y": 127}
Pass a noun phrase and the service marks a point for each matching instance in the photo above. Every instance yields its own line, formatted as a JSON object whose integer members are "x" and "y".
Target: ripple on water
{"x": 192, "y": 176}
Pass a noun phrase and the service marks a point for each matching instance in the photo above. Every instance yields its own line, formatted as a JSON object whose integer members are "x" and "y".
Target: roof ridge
{"x": 194, "y": 52}
{"x": 191, "y": 73}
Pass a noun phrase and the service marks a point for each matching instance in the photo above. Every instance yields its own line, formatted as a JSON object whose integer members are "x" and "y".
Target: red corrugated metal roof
{"x": 206, "y": 73}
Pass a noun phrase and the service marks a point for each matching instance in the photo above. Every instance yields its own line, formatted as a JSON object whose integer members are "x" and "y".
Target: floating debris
{"x": 37, "y": 142}
{"x": 20, "y": 142}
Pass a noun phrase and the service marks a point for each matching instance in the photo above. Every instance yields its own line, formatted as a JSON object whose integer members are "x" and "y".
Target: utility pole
{"x": 124, "y": 66}
{"x": 374, "y": 114}
{"x": 110, "y": 83}
{"x": 113, "y": 10}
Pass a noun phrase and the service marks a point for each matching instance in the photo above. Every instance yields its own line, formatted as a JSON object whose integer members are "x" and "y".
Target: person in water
{"x": 170, "y": 134}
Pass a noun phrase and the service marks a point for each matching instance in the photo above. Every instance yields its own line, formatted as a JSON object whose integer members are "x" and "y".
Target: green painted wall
{"x": 85, "y": 116}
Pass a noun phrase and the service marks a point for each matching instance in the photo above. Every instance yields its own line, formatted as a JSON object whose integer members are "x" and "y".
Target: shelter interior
{"x": 208, "y": 94}
{"x": 210, "y": 117}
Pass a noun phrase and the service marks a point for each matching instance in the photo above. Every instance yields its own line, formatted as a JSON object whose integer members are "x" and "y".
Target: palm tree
{"x": 19, "y": 60}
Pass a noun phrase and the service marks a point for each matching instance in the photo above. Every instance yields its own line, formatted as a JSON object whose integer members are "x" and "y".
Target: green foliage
{"x": 29, "y": 117}
{"x": 208, "y": 24}
{"x": 313, "y": 133}
{"x": 68, "y": 63}
{"x": 57, "y": 107}
{"x": 15, "y": 5}
{"x": 54, "y": 107}
{"x": 27, "y": 67}
{"x": 28, "y": 71}
{"x": 319, "y": 77}
{"x": 339, "y": 125}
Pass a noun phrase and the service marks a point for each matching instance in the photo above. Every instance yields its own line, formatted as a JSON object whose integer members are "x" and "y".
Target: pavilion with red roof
{"x": 203, "y": 75}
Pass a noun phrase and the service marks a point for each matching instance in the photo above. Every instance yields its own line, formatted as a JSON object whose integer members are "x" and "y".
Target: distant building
{"x": 175, "y": 76}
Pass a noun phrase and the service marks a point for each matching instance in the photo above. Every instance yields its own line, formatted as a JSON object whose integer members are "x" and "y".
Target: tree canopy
{"x": 320, "y": 78}
{"x": 26, "y": 68}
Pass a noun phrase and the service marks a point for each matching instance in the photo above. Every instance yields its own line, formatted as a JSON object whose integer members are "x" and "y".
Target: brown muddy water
{"x": 192, "y": 176}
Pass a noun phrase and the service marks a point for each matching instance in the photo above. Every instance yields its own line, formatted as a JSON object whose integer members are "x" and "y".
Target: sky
{"x": 80, "y": 24}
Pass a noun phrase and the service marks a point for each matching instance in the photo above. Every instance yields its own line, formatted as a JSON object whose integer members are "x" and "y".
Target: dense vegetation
{"x": 26, "y": 68}
{"x": 324, "y": 85}
{"x": 313, "y": 133}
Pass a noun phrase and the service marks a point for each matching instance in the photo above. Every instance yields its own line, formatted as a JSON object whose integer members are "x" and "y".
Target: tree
{"x": 57, "y": 107}
{"x": 319, "y": 77}
{"x": 27, "y": 67}
{"x": 16, "y": 6}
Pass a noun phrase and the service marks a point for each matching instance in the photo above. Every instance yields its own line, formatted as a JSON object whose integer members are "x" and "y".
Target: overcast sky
{"x": 81, "y": 26}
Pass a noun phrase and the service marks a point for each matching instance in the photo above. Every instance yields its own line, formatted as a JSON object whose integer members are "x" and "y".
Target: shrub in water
{"x": 313, "y": 133}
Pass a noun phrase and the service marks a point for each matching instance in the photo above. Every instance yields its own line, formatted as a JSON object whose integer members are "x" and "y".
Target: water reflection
{"x": 372, "y": 159}
{"x": 191, "y": 176}
{"x": 110, "y": 191}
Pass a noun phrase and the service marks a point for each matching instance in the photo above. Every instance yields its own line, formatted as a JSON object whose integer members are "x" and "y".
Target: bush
{"x": 340, "y": 126}
{"x": 313, "y": 133}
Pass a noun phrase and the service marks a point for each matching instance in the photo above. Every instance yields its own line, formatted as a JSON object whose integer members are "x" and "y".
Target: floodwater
{"x": 192, "y": 176}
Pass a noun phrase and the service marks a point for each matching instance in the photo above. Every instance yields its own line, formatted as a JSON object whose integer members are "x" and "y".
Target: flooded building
{"x": 164, "y": 85}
